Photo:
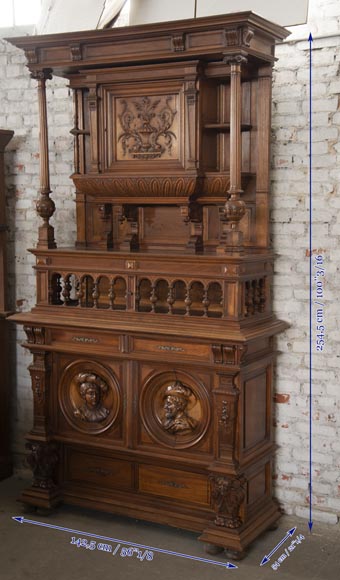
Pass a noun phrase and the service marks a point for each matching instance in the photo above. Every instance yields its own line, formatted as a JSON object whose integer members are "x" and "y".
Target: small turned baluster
{"x": 188, "y": 301}
{"x": 246, "y": 299}
{"x": 257, "y": 299}
{"x": 95, "y": 294}
{"x": 251, "y": 295}
{"x": 112, "y": 294}
{"x": 153, "y": 297}
{"x": 206, "y": 301}
{"x": 171, "y": 298}
{"x": 262, "y": 295}
{"x": 80, "y": 293}
{"x": 67, "y": 289}
{"x": 137, "y": 298}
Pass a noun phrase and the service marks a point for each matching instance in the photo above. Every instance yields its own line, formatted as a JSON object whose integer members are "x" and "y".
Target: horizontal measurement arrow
{"x": 23, "y": 520}
{"x": 288, "y": 535}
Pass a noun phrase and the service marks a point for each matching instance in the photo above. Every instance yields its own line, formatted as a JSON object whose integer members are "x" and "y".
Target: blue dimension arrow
{"x": 310, "y": 523}
{"x": 22, "y": 520}
{"x": 288, "y": 535}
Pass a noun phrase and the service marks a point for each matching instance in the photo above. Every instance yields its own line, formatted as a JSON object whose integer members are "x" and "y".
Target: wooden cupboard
{"x": 153, "y": 338}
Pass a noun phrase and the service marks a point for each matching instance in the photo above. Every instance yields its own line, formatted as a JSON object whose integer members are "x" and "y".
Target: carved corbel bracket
{"x": 240, "y": 36}
{"x": 35, "y": 334}
{"x": 228, "y": 494}
{"x": 105, "y": 215}
{"x": 193, "y": 215}
{"x": 128, "y": 215}
{"x": 178, "y": 42}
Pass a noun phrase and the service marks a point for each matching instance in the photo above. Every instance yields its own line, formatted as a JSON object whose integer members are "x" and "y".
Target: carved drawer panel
{"x": 189, "y": 487}
{"x": 104, "y": 472}
{"x": 173, "y": 348}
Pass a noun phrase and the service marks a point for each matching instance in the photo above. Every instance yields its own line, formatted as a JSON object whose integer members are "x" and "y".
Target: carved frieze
{"x": 228, "y": 494}
{"x": 130, "y": 186}
{"x": 148, "y": 128}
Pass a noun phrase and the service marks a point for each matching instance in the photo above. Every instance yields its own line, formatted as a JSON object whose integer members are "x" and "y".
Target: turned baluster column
{"x": 45, "y": 205}
{"x": 234, "y": 208}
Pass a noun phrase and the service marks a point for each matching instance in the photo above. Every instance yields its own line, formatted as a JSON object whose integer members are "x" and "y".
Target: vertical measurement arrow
{"x": 310, "y": 523}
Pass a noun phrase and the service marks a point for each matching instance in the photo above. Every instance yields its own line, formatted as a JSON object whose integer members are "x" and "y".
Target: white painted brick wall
{"x": 290, "y": 217}
{"x": 290, "y": 203}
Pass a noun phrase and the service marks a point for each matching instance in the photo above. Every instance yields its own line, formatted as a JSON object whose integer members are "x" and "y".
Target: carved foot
{"x": 233, "y": 555}
{"x": 212, "y": 549}
{"x": 27, "y": 508}
{"x": 41, "y": 511}
{"x": 273, "y": 527}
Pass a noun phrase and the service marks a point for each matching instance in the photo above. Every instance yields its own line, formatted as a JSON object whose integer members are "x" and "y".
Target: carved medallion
{"x": 177, "y": 418}
{"x": 148, "y": 128}
{"x": 227, "y": 496}
{"x": 92, "y": 389}
{"x": 175, "y": 410}
{"x": 89, "y": 396}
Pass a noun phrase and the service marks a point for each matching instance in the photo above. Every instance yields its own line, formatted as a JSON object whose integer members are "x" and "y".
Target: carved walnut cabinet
{"x": 152, "y": 338}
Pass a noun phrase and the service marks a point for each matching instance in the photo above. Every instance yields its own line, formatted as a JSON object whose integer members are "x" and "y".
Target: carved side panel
{"x": 40, "y": 371}
{"x": 228, "y": 494}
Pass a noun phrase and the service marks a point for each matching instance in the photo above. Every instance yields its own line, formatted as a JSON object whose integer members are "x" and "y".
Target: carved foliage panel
{"x": 142, "y": 127}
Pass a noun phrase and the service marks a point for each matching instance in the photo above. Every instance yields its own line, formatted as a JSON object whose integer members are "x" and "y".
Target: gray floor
{"x": 30, "y": 552}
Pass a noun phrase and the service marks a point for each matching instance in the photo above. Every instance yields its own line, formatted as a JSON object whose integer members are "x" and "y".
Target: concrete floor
{"x": 30, "y": 552}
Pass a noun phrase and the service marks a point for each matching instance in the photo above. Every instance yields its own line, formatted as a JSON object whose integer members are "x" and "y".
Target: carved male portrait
{"x": 92, "y": 389}
{"x": 176, "y": 401}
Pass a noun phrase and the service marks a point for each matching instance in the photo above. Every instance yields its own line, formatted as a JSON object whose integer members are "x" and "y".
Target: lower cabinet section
{"x": 178, "y": 443}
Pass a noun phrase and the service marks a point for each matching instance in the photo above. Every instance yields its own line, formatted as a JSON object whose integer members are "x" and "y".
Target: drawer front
{"x": 82, "y": 339}
{"x": 101, "y": 471}
{"x": 172, "y": 349}
{"x": 180, "y": 485}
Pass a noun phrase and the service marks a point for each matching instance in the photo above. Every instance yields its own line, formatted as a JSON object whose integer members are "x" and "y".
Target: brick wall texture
{"x": 290, "y": 231}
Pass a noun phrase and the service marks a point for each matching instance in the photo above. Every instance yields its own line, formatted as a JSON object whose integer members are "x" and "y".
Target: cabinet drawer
{"x": 84, "y": 339}
{"x": 165, "y": 348}
{"x": 102, "y": 471}
{"x": 189, "y": 487}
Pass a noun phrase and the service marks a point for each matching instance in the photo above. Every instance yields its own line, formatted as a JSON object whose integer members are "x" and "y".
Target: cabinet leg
{"x": 233, "y": 555}
{"x": 212, "y": 549}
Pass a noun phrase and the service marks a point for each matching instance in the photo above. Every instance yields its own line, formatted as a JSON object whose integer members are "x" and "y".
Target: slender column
{"x": 45, "y": 205}
{"x": 234, "y": 208}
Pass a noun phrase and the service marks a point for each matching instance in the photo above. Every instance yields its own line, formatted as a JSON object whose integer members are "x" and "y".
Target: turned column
{"x": 234, "y": 208}
{"x": 45, "y": 205}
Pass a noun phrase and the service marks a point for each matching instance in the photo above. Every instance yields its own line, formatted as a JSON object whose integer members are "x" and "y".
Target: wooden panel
{"x": 167, "y": 348}
{"x": 180, "y": 485}
{"x": 257, "y": 486}
{"x": 85, "y": 338}
{"x": 255, "y": 410}
{"x": 83, "y": 467}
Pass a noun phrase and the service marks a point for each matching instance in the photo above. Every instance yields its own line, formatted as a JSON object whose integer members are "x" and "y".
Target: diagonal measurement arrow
{"x": 310, "y": 523}
{"x": 22, "y": 520}
{"x": 287, "y": 536}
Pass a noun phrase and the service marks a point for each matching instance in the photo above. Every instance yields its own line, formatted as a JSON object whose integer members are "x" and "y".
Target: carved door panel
{"x": 175, "y": 411}
{"x": 89, "y": 399}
